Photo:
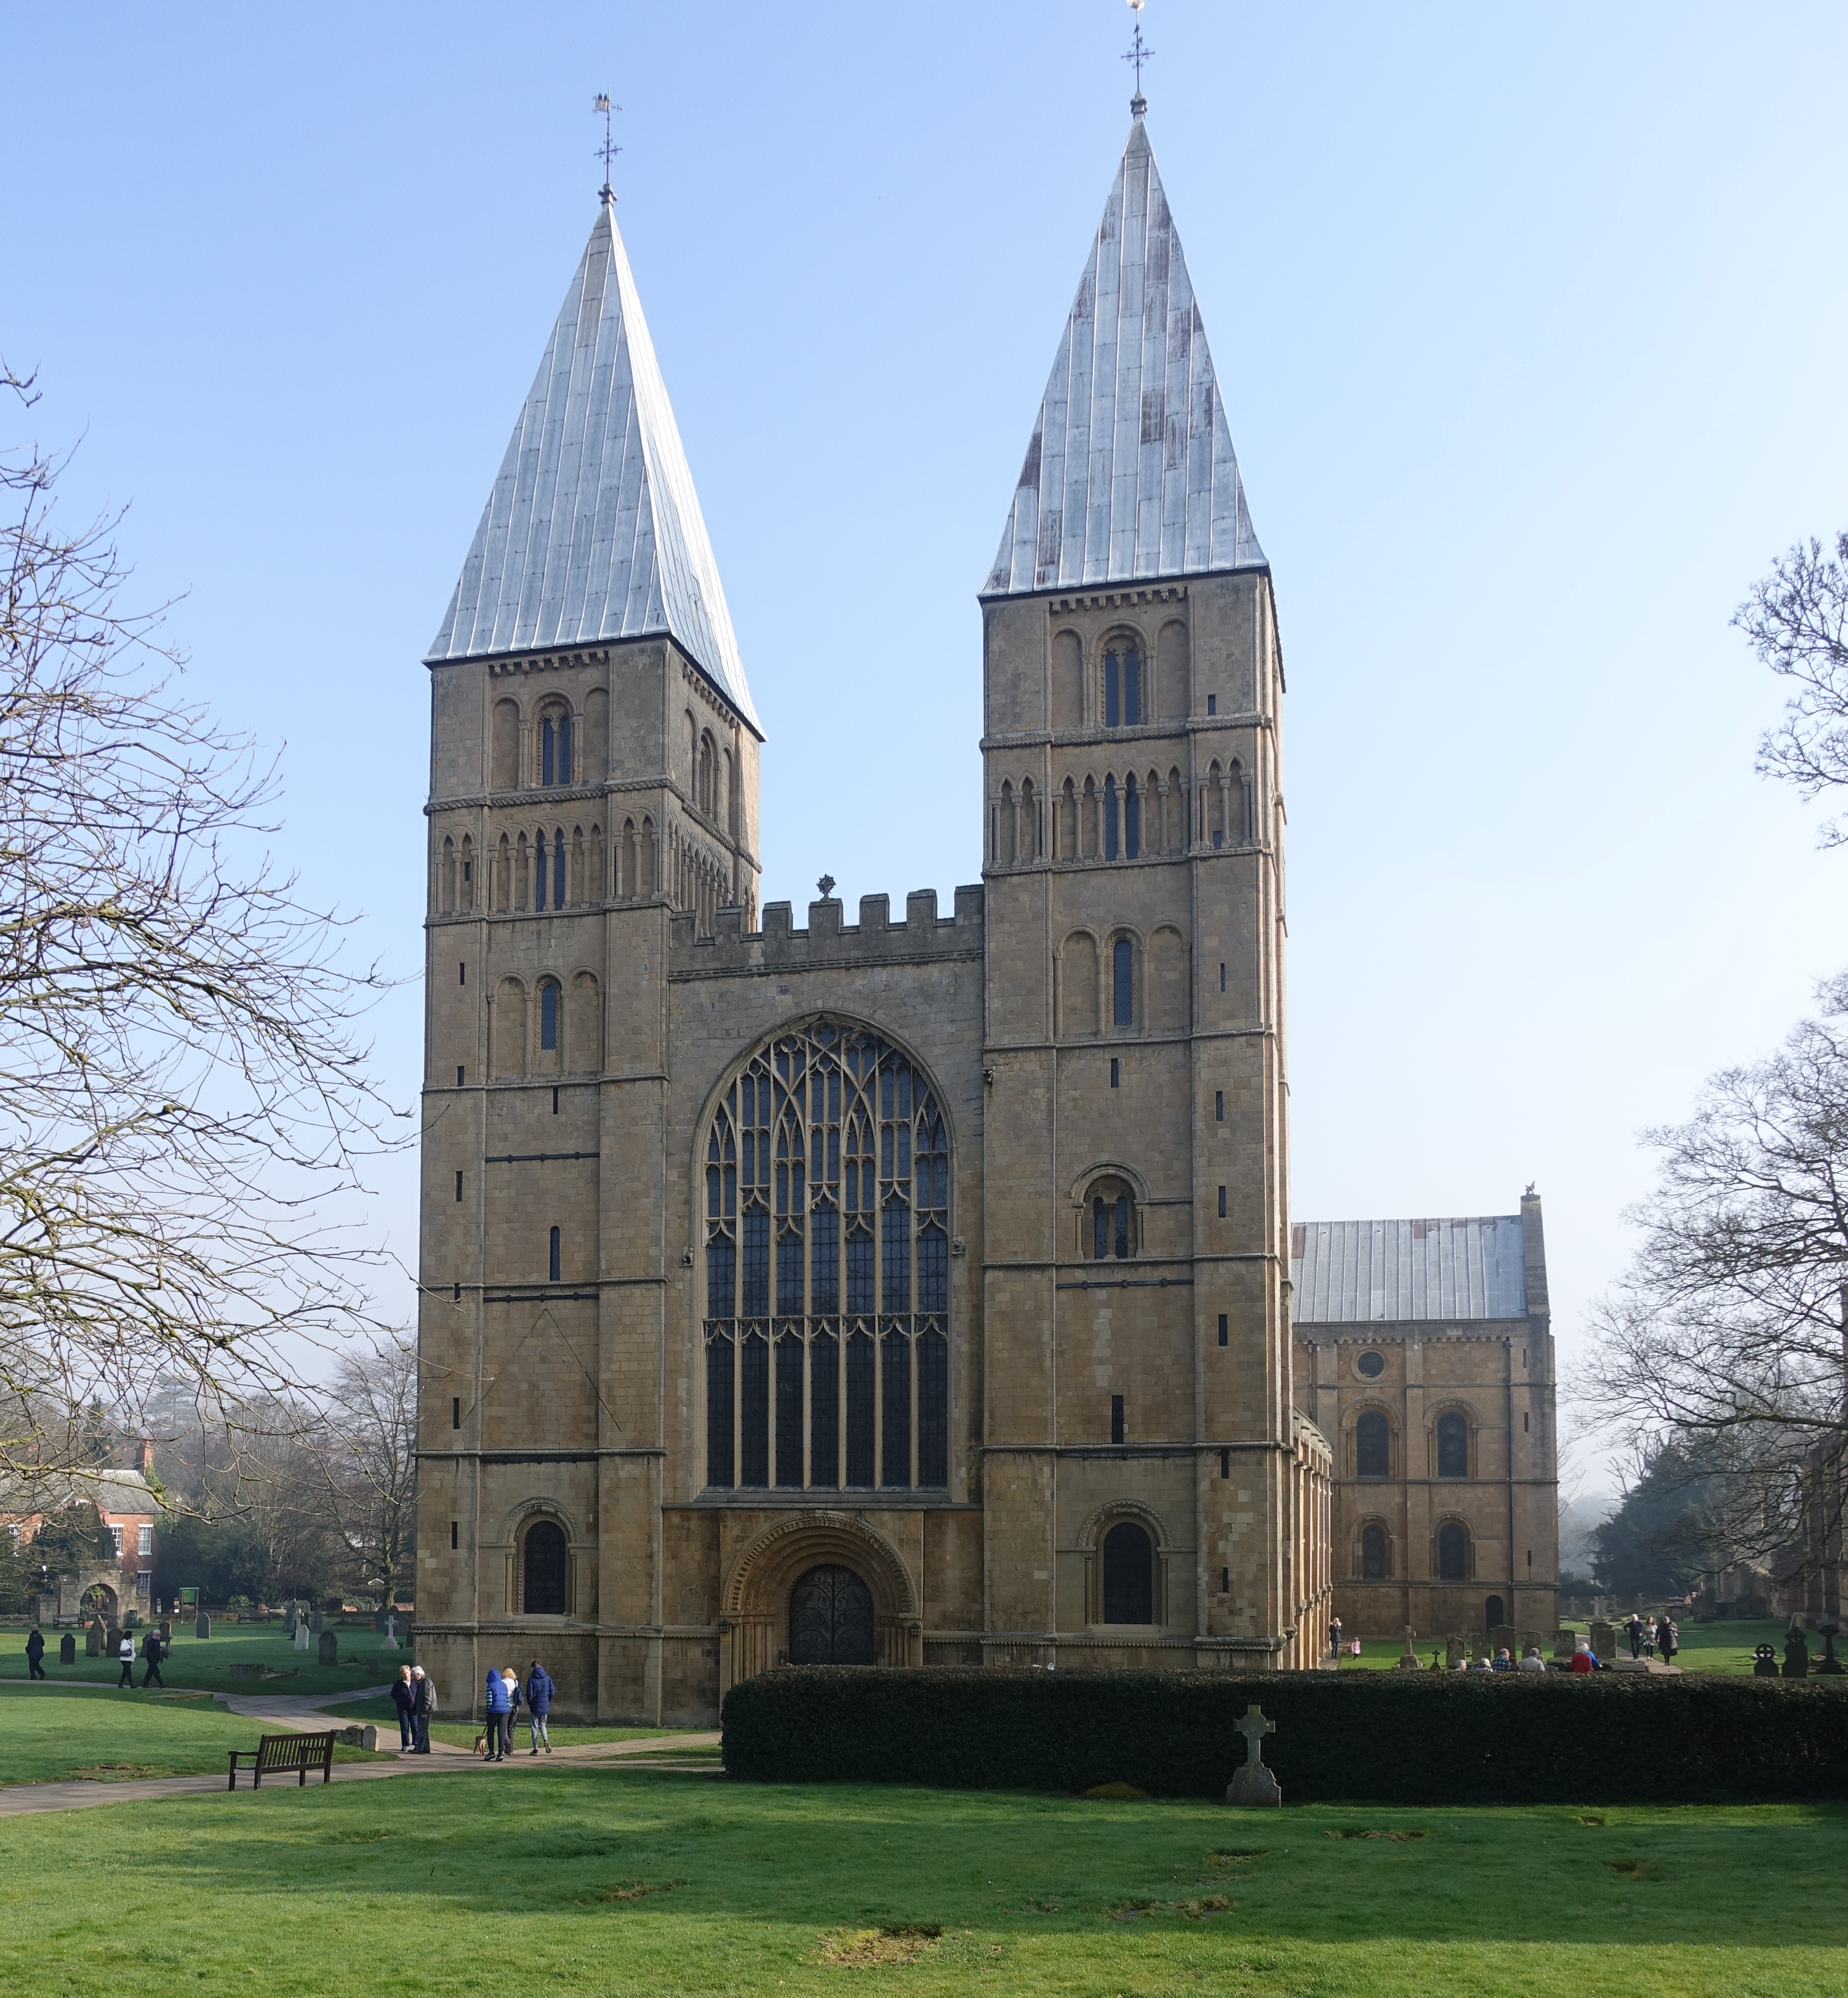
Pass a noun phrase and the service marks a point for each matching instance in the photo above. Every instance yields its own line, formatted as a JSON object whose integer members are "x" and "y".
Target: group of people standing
{"x": 415, "y": 1698}
{"x": 1653, "y": 1636}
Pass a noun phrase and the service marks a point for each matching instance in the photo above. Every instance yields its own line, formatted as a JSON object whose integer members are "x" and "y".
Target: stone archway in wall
{"x": 757, "y": 1599}
{"x": 73, "y": 1589}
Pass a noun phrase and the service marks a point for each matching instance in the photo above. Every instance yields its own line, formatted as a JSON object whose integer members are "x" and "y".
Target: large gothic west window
{"x": 827, "y": 1269}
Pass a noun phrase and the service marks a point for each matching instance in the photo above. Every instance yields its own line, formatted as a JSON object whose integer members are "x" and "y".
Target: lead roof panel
{"x": 593, "y": 530}
{"x": 1387, "y": 1272}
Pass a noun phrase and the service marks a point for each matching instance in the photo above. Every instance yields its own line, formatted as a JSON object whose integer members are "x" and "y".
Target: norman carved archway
{"x": 755, "y": 1602}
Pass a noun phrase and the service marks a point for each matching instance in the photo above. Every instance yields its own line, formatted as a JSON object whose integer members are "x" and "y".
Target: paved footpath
{"x": 286, "y": 1713}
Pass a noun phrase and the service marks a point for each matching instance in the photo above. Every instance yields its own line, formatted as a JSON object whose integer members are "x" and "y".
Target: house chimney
{"x": 144, "y": 1456}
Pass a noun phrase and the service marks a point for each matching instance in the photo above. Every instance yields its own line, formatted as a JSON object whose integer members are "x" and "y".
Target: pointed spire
{"x": 593, "y": 530}
{"x": 1130, "y": 472}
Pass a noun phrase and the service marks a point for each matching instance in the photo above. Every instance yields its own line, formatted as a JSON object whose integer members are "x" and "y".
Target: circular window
{"x": 1372, "y": 1364}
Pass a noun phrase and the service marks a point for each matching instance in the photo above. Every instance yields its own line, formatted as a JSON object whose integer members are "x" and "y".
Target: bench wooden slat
{"x": 281, "y": 1753}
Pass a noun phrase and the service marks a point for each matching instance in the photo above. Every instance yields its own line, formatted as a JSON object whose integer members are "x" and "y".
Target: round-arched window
{"x": 1110, "y": 1222}
{"x": 1128, "y": 1574}
{"x": 1373, "y": 1445}
{"x": 1372, "y": 1553}
{"x": 1452, "y": 1553}
{"x": 1452, "y": 1444}
{"x": 1371, "y": 1364}
{"x": 542, "y": 1591}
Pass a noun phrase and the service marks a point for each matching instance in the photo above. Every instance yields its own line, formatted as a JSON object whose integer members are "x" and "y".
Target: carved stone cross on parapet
{"x": 1252, "y": 1783}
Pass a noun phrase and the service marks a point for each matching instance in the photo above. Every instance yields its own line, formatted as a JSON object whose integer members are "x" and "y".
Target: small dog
{"x": 480, "y": 1745}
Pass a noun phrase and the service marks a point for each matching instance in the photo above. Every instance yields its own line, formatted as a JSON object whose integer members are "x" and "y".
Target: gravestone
{"x": 291, "y": 1617}
{"x": 247, "y": 1669}
{"x": 1505, "y": 1637}
{"x": 166, "y": 1631}
{"x": 114, "y": 1640}
{"x": 317, "y": 1623}
{"x": 93, "y": 1640}
{"x": 1604, "y": 1641}
{"x": 203, "y": 1627}
{"x": 1407, "y": 1660}
{"x": 1252, "y": 1783}
{"x": 330, "y": 1652}
{"x": 357, "y": 1737}
{"x": 1455, "y": 1652}
{"x": 1796, "y": 1654}
{"x": 1564, "y": 1643}
{"x": 67, "y": 1649}
{"x": 1829, "y": 1665}
{"x": 1765, "y": 1662}
{"x": 301, "y": 1636}
{"x": 391, "y": 1631}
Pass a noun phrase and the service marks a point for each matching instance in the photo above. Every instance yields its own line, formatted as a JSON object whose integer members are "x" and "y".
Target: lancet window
{"x": 827, "y": 1199}
{"x": 1122, "y": 687}
{"x": 554, "y": 750}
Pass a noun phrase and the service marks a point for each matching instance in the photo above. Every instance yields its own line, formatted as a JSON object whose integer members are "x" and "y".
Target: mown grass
{"x": 51, "y": 1735}
{"x": 461, "y": 1733}
{"x": 207, "y": 1662}
{"x": 596, "y": 1881}
{"x": 1724, "y": 1647}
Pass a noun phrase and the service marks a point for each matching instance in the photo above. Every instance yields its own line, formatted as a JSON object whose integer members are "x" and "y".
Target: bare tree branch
{"x": 181, "y": 1091}
{"x": 1797, "y": 619}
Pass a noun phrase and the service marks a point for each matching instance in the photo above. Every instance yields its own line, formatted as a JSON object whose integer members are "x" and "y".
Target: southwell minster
{"x": 922, "y": 1287}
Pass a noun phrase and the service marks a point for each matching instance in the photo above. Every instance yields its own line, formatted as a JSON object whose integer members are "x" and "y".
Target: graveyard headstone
{"x": 113, "y": 1642}
{"x": 1604, "y": 1641}
{"x": 1252, "y": 1783}
{"x": 67, "y": 1649}
{"x": 1505, "y": 1637}
{"x": 317, "y": 1623}
{"x": 1796, "y": 1654}
{"x": 330, "y": 1651}
{"x": 93, "y": 1640}
{"x": 291, "y": 1617}
{"x": 1765, "y": 1662}
{"x": 1455, "y": 1652}
{"x": 1564, "y": 1643}
{"x": 301, "y": 1636}
{"x": 1407, "y": 1660}
{"x": 1829, "y": 1665}
{"x": 166, "y": 1631}
{"x": 203, "y": 1627}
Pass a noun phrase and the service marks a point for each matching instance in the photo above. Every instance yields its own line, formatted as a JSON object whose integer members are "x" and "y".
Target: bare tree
{"x": 367, "y": 1460}
{"x": 1724, "y": 1345}
{"x": 1797, "y": 619}
{"x": 181, "y": 1091}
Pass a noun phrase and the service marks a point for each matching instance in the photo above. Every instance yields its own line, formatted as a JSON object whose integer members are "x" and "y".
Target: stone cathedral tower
{"x": 890, "y": 1291}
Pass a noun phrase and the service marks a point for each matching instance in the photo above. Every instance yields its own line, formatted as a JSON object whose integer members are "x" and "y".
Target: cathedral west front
{"x": 891, "y": 1286}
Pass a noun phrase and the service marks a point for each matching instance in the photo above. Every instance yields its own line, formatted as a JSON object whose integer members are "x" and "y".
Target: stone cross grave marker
{"x": 391, "y": 1631}
{"x": 1252, "y": 1783}
{"x": 1407, "y": 1660}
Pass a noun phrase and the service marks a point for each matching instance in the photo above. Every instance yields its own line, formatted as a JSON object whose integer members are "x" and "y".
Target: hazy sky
{"x": 1530, "y": 329}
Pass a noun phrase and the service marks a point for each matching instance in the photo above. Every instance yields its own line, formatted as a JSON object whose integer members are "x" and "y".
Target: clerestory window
{"x": 1122, "y": 687}
{"x": 1113, "y": 1221}
{"x": 554, "y": 750}
{"x": 828, "y": 1253}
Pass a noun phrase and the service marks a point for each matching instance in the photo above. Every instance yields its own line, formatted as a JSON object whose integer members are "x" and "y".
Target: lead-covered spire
{"x": 1129, "y": 473}
{"x": 593, "y": 530}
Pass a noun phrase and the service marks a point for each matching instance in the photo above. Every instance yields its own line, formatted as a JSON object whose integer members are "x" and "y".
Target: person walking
{"x": 151, "y": 1655}
{"x": 499, "y": 1718}
{"x": 1668, "y": 1639}
{"x": 423, "y": 1704}
{"x": 404, "y": 1698}
{"x": 510, "y": 1679}
{"x": 1634, "y": 1630}
{"x": 539, "y": 1691}
{"x": 34, "y": 1654}
{"x": 125, "y": 1651}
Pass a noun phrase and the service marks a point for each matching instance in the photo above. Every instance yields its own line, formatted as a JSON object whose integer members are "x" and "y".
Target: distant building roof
{"x": 1130, "y": 471}
{"x": 1387, "y": 1272}
{"x": 593, "y": 530}
{"x": 109, "y": 1490}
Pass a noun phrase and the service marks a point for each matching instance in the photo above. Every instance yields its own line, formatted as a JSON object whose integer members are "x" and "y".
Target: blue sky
{"x": 1529, "y": 326}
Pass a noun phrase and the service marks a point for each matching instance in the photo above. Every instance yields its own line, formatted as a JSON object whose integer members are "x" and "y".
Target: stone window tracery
{"x": 826, "y": 1200}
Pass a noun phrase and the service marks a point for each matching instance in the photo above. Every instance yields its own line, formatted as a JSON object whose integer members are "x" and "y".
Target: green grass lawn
{"x": 584, "y": 1881}
{"x": 49, "y": 1734}
{"x": 461, "y": 1733}
{"x": 207, "y": 1663}
{"x": 1724, "y": 1647}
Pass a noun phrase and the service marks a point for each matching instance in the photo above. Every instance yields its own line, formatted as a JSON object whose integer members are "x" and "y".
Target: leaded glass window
{"x": 826, "y": 1269}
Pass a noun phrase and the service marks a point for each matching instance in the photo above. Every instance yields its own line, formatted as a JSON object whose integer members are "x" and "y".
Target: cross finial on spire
{"x": 608, "y": 150}
{"x": 1139, "y": 53}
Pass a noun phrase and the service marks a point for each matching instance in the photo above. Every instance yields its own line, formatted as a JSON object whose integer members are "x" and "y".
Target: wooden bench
{"x": 276, "y": 1754}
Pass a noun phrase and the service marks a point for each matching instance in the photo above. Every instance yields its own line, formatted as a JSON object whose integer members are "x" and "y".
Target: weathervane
{"x": 608, "y": 150}
{"x": 1138, "y": 54}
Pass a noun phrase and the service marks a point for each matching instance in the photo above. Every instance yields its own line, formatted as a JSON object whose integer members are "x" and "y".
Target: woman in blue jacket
{"x": 499, "y": 1710}
{"x": 539, "y": 1691}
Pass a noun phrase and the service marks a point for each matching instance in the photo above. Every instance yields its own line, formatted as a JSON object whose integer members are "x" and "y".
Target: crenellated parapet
{"x": 828, "y": 943}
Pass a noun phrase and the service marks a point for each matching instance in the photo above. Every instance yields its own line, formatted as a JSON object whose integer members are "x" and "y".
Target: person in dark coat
{"x": 539, "y": 1691}
{"x": 1668, "y": 1639}
{"x": 423, "y": 1704}
{"x": 34, "y": 1654}
{"x": 404, "y": 1698}
{"x": 1634, "y": 1630}
{"x": 151, "y": 1655}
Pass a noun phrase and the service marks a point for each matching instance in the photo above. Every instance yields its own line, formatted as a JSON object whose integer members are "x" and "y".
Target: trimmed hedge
{"x": 1374, "y": 1737}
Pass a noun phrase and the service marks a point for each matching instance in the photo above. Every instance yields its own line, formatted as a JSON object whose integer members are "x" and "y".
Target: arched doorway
{"x": 1493, "y": 1611}
{"x": 831, "y": 1619}
{"x": 99, "y": 1600}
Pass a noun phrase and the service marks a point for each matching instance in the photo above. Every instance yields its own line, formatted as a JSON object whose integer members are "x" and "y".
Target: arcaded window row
{"x": 1119, "y": 817}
